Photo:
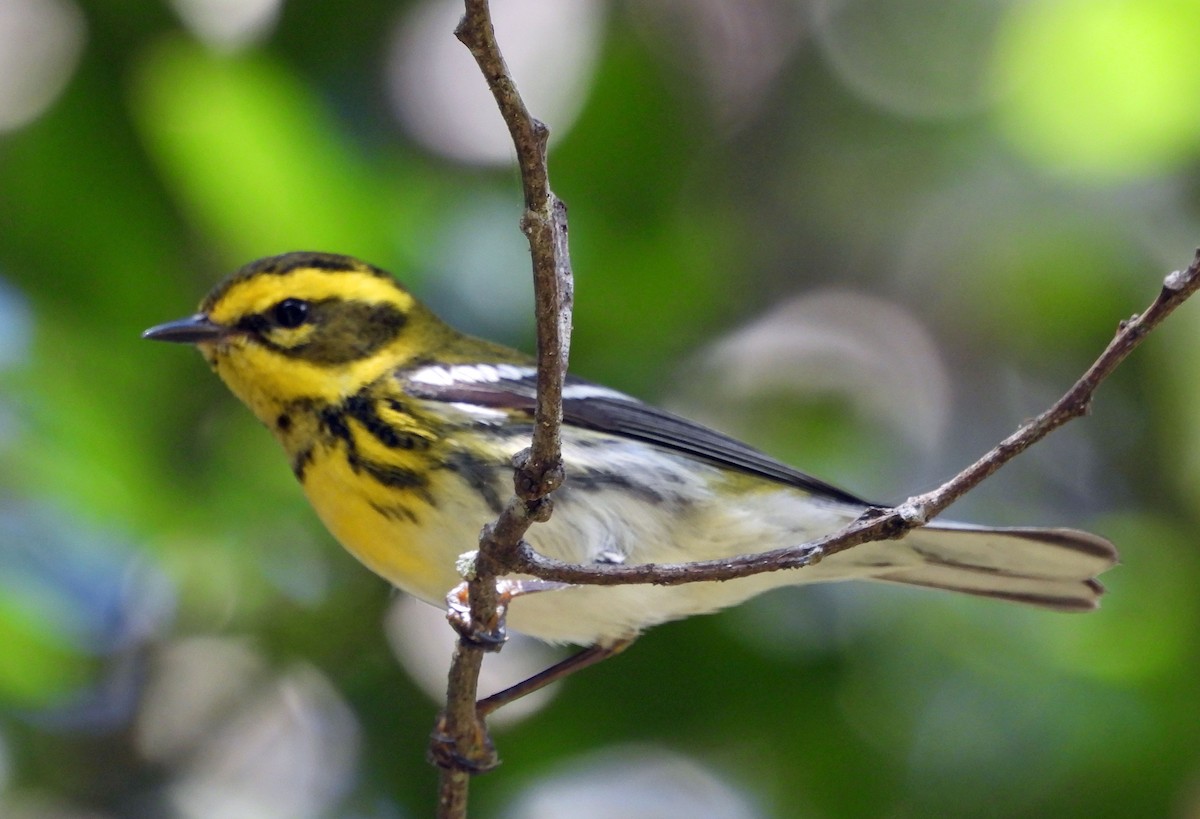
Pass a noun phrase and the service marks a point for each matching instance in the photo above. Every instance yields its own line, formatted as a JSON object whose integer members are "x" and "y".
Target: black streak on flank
{"x": 300, "y": 463}
{"x": 593, "y": 480}
{"x": 394, "y": 476}
{"x": 479, "y": 476}
{"x": 361, "y": 407}
{"x": 395, "y": 511}
{"x": 333, "y": 422}
{"x": 285, "y": 423}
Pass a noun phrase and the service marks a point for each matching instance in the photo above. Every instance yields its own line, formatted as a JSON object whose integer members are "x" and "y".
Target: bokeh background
{"x": 869, "y": 236}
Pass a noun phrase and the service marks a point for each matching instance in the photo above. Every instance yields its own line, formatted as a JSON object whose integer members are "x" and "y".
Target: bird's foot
{"x": 491, "y": 636}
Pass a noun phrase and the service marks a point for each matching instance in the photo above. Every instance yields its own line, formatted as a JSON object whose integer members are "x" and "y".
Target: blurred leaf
{"x": 627, "y": 155}
{"x": 644, "y": 300}
{"x": 1144, "y": 626}
{"x": 40, "y": 666}
{"x": 1043, "y": 281}
{"x": 253, "y": 158}
{"x": 1097, "y": 87}
{"x": 85, "y": 230}
{"x": 80, "y": 439}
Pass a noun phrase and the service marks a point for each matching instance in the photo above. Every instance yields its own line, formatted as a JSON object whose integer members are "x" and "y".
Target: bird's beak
{"x": 190, "y": 330}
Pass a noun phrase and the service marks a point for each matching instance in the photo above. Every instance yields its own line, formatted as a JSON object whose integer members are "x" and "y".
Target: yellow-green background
{"x": 1016, "y": 176}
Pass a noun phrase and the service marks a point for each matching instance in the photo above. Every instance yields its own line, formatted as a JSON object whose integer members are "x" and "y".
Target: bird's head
{"x": 307, "y": 326}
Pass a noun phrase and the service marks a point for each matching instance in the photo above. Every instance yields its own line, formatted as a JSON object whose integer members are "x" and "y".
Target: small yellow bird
{"x": 401, "y": 431}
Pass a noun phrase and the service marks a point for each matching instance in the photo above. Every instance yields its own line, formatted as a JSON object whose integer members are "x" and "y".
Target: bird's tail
{"x": 1051, "y": 568}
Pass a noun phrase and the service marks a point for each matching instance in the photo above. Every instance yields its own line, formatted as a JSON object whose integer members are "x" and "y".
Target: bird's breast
{"x": 410, "y": 535}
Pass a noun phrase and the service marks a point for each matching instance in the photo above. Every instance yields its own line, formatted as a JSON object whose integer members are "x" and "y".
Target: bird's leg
{"x": 490, "y": 636}
{"x": 479, "y": 754}
{"x": 564, "y": 668}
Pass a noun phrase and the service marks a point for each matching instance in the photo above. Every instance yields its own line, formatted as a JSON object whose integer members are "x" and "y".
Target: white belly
{"x": 674, "y": 517}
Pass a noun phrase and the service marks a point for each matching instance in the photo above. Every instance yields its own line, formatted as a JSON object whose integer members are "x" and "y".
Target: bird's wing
{"x": 591, "y": 406}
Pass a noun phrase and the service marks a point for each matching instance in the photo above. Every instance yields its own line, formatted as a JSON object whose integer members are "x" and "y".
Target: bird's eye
{"x": 290, "y": 313}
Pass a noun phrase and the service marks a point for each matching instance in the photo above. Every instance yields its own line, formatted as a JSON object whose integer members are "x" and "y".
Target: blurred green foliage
{"x": 167, "y": 600}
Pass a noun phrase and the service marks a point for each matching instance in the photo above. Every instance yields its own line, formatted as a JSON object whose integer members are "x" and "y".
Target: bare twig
{"x": 545, "y": 225}
{"x": 460, "y": 745}
{"x": 884, "y": 524}
{"x": 452, "y": 793}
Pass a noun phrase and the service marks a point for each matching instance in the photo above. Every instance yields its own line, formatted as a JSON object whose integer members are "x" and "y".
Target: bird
{"x": 402, "y": 431}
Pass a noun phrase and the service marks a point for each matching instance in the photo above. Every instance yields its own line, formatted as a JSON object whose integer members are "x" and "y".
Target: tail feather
{"x": 1051, "y": 568}
{"x": 1050, "y": 593}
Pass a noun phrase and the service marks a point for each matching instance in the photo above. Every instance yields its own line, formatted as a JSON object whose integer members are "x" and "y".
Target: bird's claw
{"x": 492, "y": 635}
{"x": 487, "y": 636}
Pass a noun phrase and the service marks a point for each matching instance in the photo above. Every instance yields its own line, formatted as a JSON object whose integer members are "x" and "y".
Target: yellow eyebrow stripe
{"x": 259, "y": 293}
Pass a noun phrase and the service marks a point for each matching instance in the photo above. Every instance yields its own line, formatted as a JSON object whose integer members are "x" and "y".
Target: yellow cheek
{"x": 266, "y": 381}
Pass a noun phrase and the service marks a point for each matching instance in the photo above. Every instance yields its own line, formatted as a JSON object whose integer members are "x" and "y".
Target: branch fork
{"x": 460, "y": 745}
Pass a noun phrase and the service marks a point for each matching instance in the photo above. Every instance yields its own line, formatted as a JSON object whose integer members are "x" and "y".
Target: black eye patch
{"x": 342, "y": 330}
{"x": 290, "y": 313}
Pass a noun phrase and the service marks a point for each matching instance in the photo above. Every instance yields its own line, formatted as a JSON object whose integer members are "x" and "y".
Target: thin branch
{"x": 885, "y": 524}
{"x": 452, "y": 793}
{"x": 545, "y": 225}
{"x": 460, "y": 744}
